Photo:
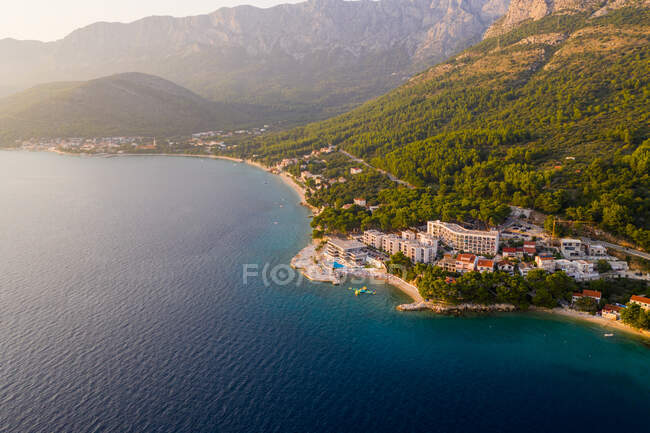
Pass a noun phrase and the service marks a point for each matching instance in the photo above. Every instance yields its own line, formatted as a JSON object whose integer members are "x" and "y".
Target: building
{"x": 409, "y": 235}
{"x": 597, "y": 251}
{"x": 462, "y": 239}
{"x": 392, "y": 244}
{"x": 373, "y": 238}
{"x": 417, "y": 252}
{"x": 585, "y": 270}
{"x": 448, "y": 263}
{"x": 427, "y": 239}
{"x": 593, "y": 294}
{"x": 525, "y": 268}
{"x": 571, "y": 248}
{"x": 505, "y": 266}
{"x": 354, "y": 170}
{"x": 466, "y": 263}
{"x": 485, "y": 265}
{"x": 618, "y": 265}
{"x": 611, "y": 312}
{"x": 546, "y": 263}
{"x": 347, "y": 251}
{"x": 530, "y": 248}
{"x": 642, "y": 301}
{"x": 513, "y": 252}
{"x": 360, "y": 202}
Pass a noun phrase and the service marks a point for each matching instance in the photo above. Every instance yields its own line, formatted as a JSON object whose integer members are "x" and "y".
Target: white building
{"x": 571, "y": 248}
{"x": 462, "y": 239}
{"x": 525, "y": 268}
{"x": 546, "y": 263}
{"x": 597, "y": 251}
{"x": 347, "y": 251}
{"x": 392, "y": 244}
{"x": 373, "y": 238}
{"x": 417, "y": 252}
{"x": 618, "y": 265}
{"x": 360, "y": 202}
{"x": 409, "y": 235}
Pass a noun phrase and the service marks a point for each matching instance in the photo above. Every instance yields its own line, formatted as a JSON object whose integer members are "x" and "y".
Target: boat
{"x": 608, "y": 335}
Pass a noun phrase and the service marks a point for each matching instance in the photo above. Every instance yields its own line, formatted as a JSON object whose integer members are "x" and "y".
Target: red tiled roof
{"x": 529, "y": 244}
{"x": 592, "y": 293}
{"x": 577, "y": 295}
{"x": 513, "y": 250}
{"x": 485, "y": 262}
{"x": 641, "y": 299}
{"x": 466, "y": 257}
{"x": 546, "y": 258}
{"x": 609, "y": 307}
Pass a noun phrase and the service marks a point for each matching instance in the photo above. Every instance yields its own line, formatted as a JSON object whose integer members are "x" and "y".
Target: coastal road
{"x": 384, "y": 172}
{"x": 620, "y": 248}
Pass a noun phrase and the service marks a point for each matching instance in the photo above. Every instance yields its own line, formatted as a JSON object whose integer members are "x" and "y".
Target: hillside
{"x": 124, "y": 104}
{"x": 554, "y": 115}
{"x": 306, "y": 59}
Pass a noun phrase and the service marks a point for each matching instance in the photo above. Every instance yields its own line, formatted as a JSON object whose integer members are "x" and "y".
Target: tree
{"x": 603, "y": 266}
{"x": 586, "y": 304}
{"x": 543, "y": 298}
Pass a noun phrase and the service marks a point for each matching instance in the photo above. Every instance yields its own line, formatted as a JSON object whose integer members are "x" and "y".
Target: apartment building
{"x": 485, "y": 265}
{"x": 462, "y": 239}
{"x": 373, "y": 238}
{"x": 546, "y": 263}
{"x": 392, "y": 244}
{"x": 417, "y": 252}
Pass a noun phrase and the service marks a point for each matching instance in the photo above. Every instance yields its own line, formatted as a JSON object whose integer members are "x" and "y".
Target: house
{"x": 593, "y": 294}
{"x": 530, "y": 248}
{"x": 618, "y": 265}
{"x": 448, "y": 263}
{"x": 596, "y": 251}
{"x": 505, "y": 266}
{"x": 611, "y": 312}
{"x": 355, "y": 170}
{"x": 571, "y": 248}
{"x": 485, "y": 265}
{"x": 546, "y": 263}
{"x": 360, "y": 202}
{"x": 525, "y": 268}
{"x": 642, "y": 301}
{"x": 466, "y": 263}
{"x": 513, "y": 252}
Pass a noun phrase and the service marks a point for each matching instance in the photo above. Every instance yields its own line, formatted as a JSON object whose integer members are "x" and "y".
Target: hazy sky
{"x": 48, "y": 20}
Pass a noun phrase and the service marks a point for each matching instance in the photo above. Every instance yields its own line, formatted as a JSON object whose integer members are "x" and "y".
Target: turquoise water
{"x": 123, "y": 308}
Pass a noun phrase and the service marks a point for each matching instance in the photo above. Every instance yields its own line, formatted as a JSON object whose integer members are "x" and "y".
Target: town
{"x": 458, "y": 250}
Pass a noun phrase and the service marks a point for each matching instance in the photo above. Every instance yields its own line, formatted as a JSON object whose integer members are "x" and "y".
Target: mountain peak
{"x": 520, "y": 11}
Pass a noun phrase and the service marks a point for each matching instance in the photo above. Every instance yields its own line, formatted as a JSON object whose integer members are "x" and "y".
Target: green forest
{"x": 552, "y": 116}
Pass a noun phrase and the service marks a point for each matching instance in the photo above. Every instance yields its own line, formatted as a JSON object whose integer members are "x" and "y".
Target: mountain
{"x": 123, "y": 104}
{"x": 525, "y": 10}
{"x": 554, "y": 114}
{"x": 311, "y": 57}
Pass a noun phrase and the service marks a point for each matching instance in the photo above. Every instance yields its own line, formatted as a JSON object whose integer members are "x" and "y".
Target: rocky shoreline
{"x": 456, "y": 310}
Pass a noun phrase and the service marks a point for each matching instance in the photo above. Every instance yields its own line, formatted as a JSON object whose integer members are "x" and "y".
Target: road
{"x": 620, "y": 248}
{"x": 384, "y": 172}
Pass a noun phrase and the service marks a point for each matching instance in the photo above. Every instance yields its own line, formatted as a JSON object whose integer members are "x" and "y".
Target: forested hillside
{"x": 123, "y": 104}
{"x": 553, "y": 115}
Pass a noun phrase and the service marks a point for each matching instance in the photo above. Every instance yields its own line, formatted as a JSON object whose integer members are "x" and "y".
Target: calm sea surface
{"x": 123, "y": 309}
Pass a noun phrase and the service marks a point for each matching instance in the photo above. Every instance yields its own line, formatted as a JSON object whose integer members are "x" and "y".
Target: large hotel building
{"x": 462, "y": 239}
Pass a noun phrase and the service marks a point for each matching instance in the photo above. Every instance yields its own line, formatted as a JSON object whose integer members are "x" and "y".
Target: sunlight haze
{"x": 45, "y": 20}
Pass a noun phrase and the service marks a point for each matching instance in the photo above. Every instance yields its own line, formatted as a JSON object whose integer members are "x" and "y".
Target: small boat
{"x": 608, "y": 335}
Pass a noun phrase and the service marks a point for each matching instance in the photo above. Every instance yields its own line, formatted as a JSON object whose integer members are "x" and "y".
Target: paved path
{"x": 390, "y": 176}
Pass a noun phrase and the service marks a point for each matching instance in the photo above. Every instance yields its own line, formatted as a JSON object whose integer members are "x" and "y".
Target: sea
{"x": 152, "y": 294}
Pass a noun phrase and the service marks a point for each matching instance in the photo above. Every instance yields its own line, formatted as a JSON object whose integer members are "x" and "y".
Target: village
{"x": 459, "y": 250}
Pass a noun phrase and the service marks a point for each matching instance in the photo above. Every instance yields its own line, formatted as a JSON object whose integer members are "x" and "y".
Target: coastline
{"x": 286, "y": 178}
{"x": 598, "y": 320}
{"x": 410, "y": 290}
